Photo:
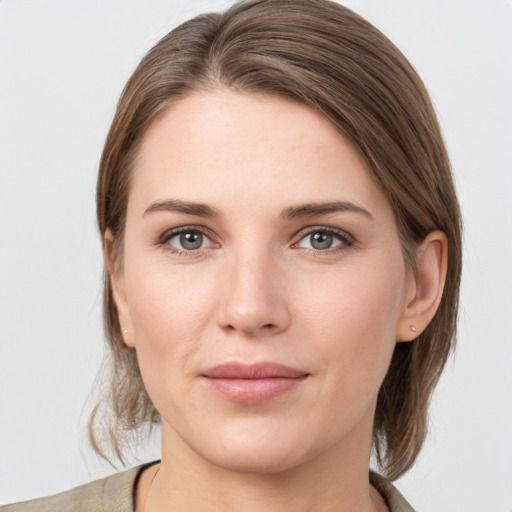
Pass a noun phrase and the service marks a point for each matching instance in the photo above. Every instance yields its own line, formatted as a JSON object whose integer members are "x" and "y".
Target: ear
{"x": 424, "y": 290}
{"x": 116, "y": 277}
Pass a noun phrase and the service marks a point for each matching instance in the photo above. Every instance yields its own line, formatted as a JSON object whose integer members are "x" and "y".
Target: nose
{"x": 254, "y": 301}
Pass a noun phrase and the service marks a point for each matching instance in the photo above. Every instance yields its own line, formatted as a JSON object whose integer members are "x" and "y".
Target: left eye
{"x": 322, "y": 240}
{"x": 190, "y": 240}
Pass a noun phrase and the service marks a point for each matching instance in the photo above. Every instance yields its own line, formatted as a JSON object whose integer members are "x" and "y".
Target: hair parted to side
{"x": 323, "y": 55}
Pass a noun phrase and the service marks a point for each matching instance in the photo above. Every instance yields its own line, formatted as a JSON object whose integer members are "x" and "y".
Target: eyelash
{"x": 346, "y": 240}
{"x": 168, "y": 235}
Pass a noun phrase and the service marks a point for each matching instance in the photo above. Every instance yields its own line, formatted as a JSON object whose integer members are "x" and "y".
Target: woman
{"x": 282, "y": 245}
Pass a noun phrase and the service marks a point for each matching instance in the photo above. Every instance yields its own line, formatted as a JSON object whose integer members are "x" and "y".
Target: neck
{"x": 335, "y": 480}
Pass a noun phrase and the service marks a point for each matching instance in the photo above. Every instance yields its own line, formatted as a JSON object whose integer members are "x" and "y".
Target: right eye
{"x": 186, "y": 240}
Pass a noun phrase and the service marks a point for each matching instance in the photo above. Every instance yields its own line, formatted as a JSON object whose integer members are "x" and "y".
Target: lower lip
{"x": 253, "y": 391}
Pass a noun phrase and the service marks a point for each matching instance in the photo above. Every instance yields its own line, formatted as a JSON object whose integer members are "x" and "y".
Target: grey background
{"x": 62, "y": 67}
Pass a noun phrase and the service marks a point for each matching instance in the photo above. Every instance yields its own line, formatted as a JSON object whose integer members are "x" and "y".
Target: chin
{"x": 258, "y": 452}
{"x": 255, "y": 461}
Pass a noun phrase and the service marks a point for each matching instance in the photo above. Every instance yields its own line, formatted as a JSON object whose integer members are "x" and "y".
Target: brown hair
{"x": 321, "y": 54}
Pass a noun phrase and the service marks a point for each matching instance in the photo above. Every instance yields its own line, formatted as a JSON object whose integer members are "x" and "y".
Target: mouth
{"x": 252, "y": 384}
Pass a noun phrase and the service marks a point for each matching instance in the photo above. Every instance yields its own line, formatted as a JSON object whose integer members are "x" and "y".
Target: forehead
{"x": 226, "y": 145}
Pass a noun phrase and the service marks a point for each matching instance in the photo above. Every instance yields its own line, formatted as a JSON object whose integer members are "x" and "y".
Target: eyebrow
{"x": 292, "y": 212}
{"x": 314, "y": 209}
{"x": 188, "y": 207}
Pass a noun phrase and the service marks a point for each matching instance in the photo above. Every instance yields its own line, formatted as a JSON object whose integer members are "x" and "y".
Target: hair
{"x": 325, "y": 56}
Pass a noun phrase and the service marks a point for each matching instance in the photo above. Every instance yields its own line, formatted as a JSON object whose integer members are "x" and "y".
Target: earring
{"x": 413, "y": 329}
{"x": 125, "y": 331}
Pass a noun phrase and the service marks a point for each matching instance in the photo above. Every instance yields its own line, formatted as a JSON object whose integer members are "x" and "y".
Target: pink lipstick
{"x": 252, "y": 384}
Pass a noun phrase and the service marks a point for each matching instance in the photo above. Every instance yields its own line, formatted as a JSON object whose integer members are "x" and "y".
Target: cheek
{"x": 169, "y": 315}
{"x": 363, "y": 295}
{"x": 353, "y": 314}
{"x": 168, "y": 310}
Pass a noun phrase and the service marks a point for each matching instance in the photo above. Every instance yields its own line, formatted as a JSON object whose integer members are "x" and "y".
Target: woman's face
{"x": 263, "y": 283}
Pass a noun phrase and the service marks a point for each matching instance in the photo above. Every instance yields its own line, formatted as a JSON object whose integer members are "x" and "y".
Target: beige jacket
{"x": 115, "y": 494}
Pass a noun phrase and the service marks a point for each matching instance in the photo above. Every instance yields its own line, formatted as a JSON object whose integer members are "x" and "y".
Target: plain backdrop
{"x": 62, "y": 67}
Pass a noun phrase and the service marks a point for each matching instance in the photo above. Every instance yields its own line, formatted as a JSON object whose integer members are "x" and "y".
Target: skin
{"x": 258, "y": 289}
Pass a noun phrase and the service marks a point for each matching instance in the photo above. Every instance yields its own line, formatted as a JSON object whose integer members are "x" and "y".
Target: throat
{"x": 157, "y": 491}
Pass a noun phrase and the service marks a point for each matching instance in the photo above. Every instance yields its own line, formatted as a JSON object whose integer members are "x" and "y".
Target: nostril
{"x": 266, "y": 327}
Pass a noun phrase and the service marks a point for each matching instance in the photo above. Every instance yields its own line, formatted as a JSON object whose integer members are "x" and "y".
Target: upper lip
{"x": 263, "y": 370}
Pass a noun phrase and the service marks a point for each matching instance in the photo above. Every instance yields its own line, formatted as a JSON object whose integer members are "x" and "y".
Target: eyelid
{"x": 166, "y": 235}
{"x": 346, "y": 238}
{"x": 341, "y": 234}
{"x": 171, "y": 233}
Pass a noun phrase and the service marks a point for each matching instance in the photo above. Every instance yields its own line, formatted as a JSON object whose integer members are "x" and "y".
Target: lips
{"x": 252, "y": 384}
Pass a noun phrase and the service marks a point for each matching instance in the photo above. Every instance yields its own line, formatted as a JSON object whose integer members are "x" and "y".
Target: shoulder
{"x": 111, "y": 494}
{"x": 394, "y": 500}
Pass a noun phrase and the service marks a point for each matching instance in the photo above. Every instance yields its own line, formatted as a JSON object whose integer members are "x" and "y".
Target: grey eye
{"x": 320, "y": 240}
{"x": 188, "y": 240}
{"x": 191, "y": 240}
